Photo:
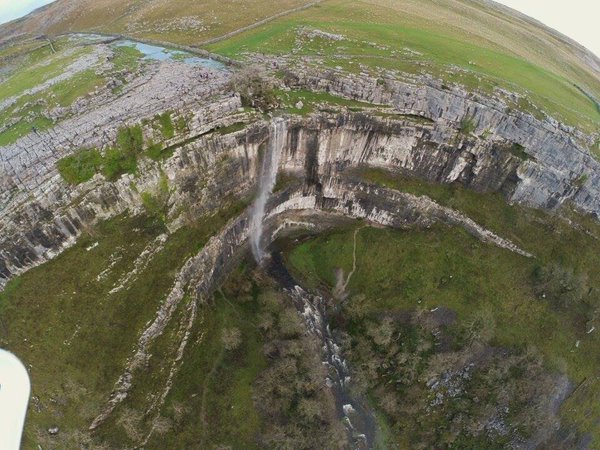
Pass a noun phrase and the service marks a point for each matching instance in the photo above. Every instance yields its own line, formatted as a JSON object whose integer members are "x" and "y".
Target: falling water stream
{"x": 268, "y": 176}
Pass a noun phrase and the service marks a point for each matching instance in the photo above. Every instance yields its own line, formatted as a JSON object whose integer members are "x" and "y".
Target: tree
{"x": 231, "y": 338}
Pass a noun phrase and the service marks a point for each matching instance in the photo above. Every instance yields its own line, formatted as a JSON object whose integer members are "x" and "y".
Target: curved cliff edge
{"x": 421, "y": 133}
{"x": 416, "y": 131}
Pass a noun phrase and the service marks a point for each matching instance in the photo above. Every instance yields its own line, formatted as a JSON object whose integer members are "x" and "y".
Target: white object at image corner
{"x": 14, "y": 396}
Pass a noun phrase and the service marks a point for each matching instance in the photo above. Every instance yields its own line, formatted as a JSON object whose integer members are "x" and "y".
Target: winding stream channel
{"x": 359, "y": 421}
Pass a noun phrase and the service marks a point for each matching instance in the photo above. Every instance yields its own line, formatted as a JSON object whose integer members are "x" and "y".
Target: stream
{"x": 158, "y": 53}
{"x": 358, "y": 420}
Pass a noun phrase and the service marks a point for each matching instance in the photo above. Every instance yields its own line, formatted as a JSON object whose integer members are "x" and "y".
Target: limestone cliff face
{"x": 560, "y": 165}
{"x": 201, "y": 174}
{"x": 540, "y": 164}
{"x": 29, "y": 163}
{"x": 323, "y": 146}
{"x": 206, "y": 170}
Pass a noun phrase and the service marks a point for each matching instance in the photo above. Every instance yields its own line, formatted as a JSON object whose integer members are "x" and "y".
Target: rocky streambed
{"x": 357, "y": 418}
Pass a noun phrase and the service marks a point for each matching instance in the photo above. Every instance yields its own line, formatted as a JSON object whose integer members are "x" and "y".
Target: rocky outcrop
{"x": 29, "y": 164}
{"x": 202, "y": 272}
{"x": 38, "y": 223}
{"x": 327, "y": 145}
{"x": 206, "y": 168}
{"x": 560, "y": 166}
{"x": 389, "y": 208}
{"x": 436, "y": 133}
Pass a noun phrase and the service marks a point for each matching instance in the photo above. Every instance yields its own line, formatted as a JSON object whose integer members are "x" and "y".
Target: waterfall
{"x": 268, "y": 176}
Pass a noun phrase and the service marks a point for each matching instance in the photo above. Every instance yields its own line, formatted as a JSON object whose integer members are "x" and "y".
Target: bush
{"x": 581, "y": 180}
{"x": 519, "y": 151}
{"x": 155, "y": 151}
{"x": 467, "y": 125}
{"x": 84, "y": 164}
{"x": 231, "y": 338}
{"x": 181, "y": 124}
{"x": 157, "y": 206}
{"x": 80, "y": 167}
{"x": 151, "y": 204}
{"x": 117, "y": 162}
{"x": 123, "y": 158}
{"x": 562, "y": 288}
{"x": 166, "y": 125}
{"x": 130, "y": 139}
{"x": 255, "y": 91}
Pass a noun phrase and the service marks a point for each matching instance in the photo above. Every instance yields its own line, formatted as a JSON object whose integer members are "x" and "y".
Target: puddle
{"x": 157, "y": 53}
{"x": 153, "y": 52}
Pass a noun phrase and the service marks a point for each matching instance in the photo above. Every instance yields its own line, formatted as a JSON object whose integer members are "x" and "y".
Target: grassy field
{"x": 225, "y": 412}
{"x": 37, "y": 68}
{"x": 41, "y": 65}
{"x": 75, "y": 336}
{"x": 400, "y": 36}
{"x": 547, "y": 304}
{"x": 180, "y": 21}
{"x": 211, "y": 402}
{"x": 315, "y": 101}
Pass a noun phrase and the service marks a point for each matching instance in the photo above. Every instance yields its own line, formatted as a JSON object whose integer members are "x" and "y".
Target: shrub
{"x": 519, "y": 151}
{"x": 123, "y": 158}
{"x": 80, "y": 167}
{"x": 130, "y": 139}
{"x": 117, "y": 162}
{"x": 157, "y": 206}
{"x": 166, "y": 125}
{"x": 152, "y": 204}
{"x": 181, "y": 124}
{"x": 467, "y": 125}
{"x": 254, "y": 89}
{"x": 581, "y": 180}
{"x": 231, "y": 338}
{"x": 563, "y": 288}
{"x": 155, "y": 151}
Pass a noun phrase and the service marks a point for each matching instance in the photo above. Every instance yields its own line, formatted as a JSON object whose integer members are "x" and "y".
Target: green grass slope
{"x": 75, "y": 337}
{"x": 33, "y": 64}
{"x": 427, "y": 38}
{"x": 541, "y": 309}
{"x": 73, "y": 334}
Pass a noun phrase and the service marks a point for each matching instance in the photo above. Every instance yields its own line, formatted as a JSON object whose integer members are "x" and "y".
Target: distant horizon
{"x": 11, "y": 9}
{"x": 577, "y": 20}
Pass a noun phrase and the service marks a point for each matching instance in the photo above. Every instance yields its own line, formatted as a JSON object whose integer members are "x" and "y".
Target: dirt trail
{"x": 353, "y": 260}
